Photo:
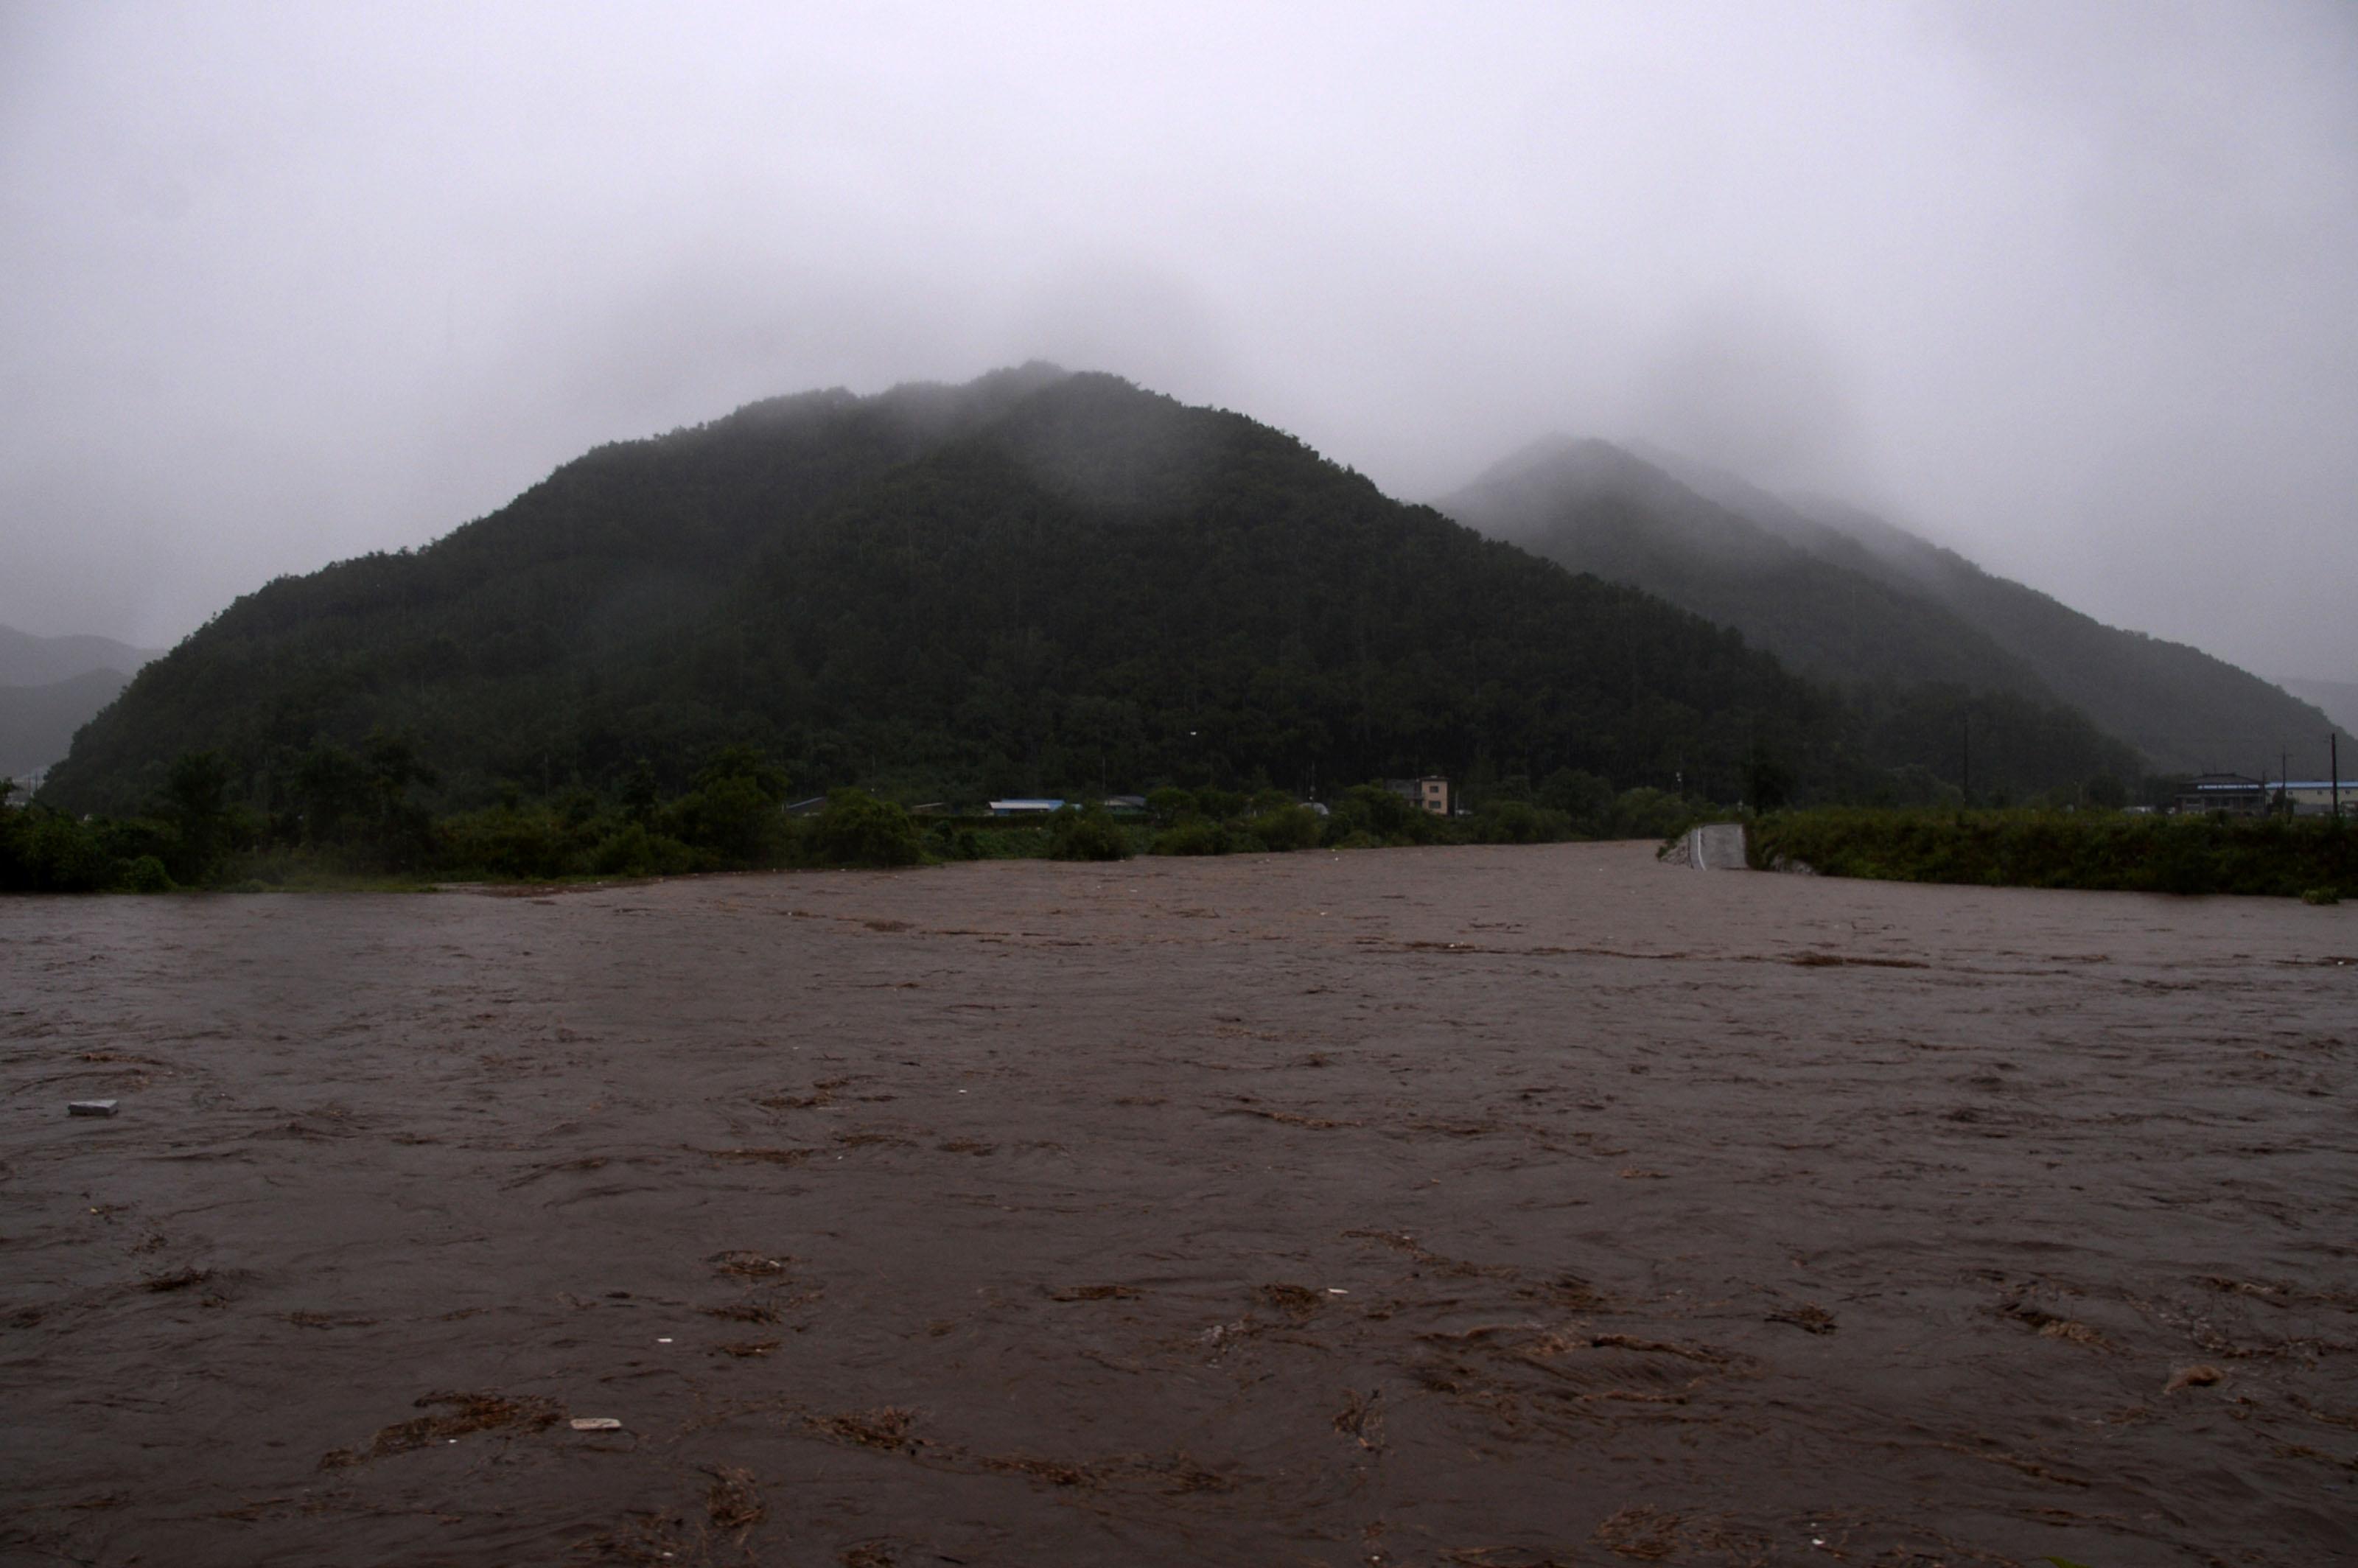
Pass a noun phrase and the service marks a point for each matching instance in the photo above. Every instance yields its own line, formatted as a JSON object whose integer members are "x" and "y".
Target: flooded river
{"x": 1493, "y": 1208}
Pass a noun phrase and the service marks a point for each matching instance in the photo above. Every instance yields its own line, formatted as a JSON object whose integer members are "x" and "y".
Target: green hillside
{"x": 1037, "y": 581}
{"x": 1952, "y": 654}
{"x": 1596, "y": 508}
{"x": 1934, "y": 689}
{"x": 2186, "y": 710}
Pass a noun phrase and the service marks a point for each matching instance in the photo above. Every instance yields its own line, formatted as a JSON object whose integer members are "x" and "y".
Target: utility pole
{"x": 2334, "y": 751}
{"x": 2284, "y": 780}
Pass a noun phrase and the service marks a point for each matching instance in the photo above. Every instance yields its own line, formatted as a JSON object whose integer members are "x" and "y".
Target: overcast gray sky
{"x": 2072, "y": 288}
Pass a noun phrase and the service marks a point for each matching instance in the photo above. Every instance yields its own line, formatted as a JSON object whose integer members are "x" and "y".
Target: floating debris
{"x": 92, "y": 1106}
{"x": 1808, "y": 1318}
{"x": 2198, "y": 1376}
{"x": 461, "y": 1415}
{"x": 890, "y": 1428}
{"x": 731, "y": 1501}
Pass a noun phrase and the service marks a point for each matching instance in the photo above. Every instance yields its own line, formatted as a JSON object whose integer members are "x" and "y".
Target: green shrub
{"x": 2320, "y": 895}
{"x": 1196, "y": 838}
{"x": 1383, "y": 816}
{"x": 1167, "y": 806}
{"x": 128, "y": 839}
{"x": 857, "y": 829}
{"x": 1086, "y": 833}
{"x": 1286, "y": 827}
{"x": 48, "y": 851}
{"x": 1219, "y": 804}
{"x": 145, "y": 874}
{"x": 1585, "y": 798}
{"x": 1645, "y": 812}
{"x": 951, "y": 842}
{"x": 632, "y": 851}
{"x": 735, "y": 818}
{"x": 528, "y": 843}
{"x": 1513, "y": 822}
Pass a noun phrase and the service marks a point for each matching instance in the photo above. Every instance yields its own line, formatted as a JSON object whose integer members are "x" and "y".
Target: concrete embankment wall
{"x": 1715, "y": 847}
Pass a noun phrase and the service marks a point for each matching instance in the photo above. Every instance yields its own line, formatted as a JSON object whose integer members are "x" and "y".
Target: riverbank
{"x": 2102, "y": 850}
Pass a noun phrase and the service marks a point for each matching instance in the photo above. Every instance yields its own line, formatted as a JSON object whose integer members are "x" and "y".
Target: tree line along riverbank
{"x": 2310, "y": 858}
{"x": 350, "y": 819}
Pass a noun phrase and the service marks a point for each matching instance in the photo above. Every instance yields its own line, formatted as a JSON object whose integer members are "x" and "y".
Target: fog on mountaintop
{"x": 2068, "y": 287}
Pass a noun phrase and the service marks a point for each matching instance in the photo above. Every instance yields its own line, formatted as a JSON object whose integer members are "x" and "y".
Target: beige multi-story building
{"x": 1432, "y": 795}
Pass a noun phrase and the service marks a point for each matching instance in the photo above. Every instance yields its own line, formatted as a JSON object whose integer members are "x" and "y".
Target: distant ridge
{"x": 1851, "y": 598}
{"x": 29, "y": 660}
{"x": 1595, "y": 507}
{"x": 51, "y": 686}
{"x": 2337, "y": 698}
{"x": 37, "y": 722}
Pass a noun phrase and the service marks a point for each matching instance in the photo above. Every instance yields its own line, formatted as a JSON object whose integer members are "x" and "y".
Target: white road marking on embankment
{"x": 1701, "y": 842}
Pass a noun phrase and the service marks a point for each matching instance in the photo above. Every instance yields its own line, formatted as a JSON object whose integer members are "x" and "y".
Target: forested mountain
{"x": 1596, "y": 508}
{"x": 2186, "y": 710}
{"x": 1036, "y": 582}
{"x": 1900, "y": 623}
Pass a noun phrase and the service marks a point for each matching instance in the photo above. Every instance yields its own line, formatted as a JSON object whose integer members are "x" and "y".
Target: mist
{"x": 2071, "y": 289}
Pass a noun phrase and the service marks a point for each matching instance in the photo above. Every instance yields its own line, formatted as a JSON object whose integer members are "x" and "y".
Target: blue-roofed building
{"x": 1023, "y": 807}
{"x": 2315, "y": 797}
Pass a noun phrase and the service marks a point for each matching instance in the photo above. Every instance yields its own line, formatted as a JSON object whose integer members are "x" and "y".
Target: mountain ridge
{"x": 51, "y": 686}
{"x": 2337, "y": 700}
{"x": 27, "y": 659}
{"x": 1031, "y": 581}
{"x": 1852, "y": 597}
{"x": 37, "y": 722}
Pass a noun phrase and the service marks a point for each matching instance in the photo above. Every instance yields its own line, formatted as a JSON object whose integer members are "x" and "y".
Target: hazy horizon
{"x": 2067, "y": 288}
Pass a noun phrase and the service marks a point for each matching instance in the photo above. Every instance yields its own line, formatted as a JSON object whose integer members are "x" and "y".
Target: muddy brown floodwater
{"x": 1493, "y": 1207}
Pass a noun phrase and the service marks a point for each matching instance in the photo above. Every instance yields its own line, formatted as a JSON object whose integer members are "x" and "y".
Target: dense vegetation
{"x": 2309, "y": 857}
{"x": 354, "y": 820}
{"x": 1907, "y": 629}
{"x": 355, "y": 817}
{"x": 1037, "y": 583}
